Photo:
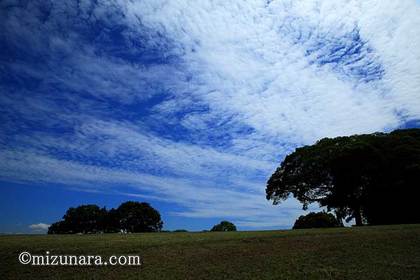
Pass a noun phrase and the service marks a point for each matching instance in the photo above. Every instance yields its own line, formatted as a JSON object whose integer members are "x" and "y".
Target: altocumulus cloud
{"x": 196, "y": 102}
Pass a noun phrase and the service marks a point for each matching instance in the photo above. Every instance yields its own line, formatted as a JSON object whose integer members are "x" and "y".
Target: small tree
{"x": 224, "y": 226}
{"x": 317, "y": 220}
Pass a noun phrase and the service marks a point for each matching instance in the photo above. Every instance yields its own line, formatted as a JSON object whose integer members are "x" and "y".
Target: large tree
{"x": 371, "y": 178}
{"x": 82, "y": 219}
{"x": 139, "y": 217}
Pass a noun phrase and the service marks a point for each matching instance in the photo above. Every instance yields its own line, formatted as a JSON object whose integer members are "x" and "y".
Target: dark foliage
{"x": 130, "y": 216}
{"x": 373, "y": 178}
{"x": 317, "y": 220}
{"x": 224, "y": 226}
{"x": 112, "y": 221}
{"x": 83, "y": 219}
{"x": 139, "y": 217}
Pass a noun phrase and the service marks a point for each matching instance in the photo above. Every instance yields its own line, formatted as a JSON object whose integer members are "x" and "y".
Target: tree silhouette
{"x": 317, "y": 220}
{"x": 224, "y": 226}
{"x": 130, "y": 216}
{"x": 139, "y": 217}
{"x": 372, "y": 178}
{"x": 83, "y": 219}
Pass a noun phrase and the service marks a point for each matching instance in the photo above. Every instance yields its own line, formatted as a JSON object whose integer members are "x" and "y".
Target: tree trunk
{"x": 358, "y": 217}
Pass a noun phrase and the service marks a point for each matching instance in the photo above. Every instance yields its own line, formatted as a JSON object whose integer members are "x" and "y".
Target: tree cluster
{"x": 224, "y": 226}
{"x": 128, "y": 217}
{"x": 317, "y": 220}
{"x": 373, "y": 178}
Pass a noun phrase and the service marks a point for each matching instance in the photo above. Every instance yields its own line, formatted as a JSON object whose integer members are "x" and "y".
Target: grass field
{"x": 385, "y": 252}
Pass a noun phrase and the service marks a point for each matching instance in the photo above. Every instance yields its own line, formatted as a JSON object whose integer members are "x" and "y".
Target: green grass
{"x": 385, "y": 252}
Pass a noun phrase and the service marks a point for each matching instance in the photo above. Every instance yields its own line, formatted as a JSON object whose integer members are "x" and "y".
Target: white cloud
{"x": 39, "y": 227}
{"x": 251, "y": 62}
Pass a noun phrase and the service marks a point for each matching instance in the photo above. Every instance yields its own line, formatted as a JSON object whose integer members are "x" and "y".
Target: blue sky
{"x": 189, "y": 105}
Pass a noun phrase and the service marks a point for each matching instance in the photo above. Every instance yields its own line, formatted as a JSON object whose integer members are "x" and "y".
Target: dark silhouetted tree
{"x": 317, "y": 220}
{"x": 85, "y": 219}
{"x": 131, "y": 216}
{"x": 224, "y": 226}
{"x": 372, "y": 178}
{"x": 112, "y": 221}
{"x": 139, "y": 217}
{"x": 59, "y": 228}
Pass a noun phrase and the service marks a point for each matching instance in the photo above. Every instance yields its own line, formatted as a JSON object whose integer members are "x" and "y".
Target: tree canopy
{"x": 83, "y": 219}
{"x": 130, "y": 216}
{"x": 224, "y": 226}
{"x": 372, "y": 177}
{"x": 139, "y": 217}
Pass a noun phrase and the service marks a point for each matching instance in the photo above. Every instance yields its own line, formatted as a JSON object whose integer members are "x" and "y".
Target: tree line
{"x": 130, "y": 216}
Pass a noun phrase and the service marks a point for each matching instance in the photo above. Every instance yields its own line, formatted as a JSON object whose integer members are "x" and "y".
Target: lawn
{"x": 383, "y": 252}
